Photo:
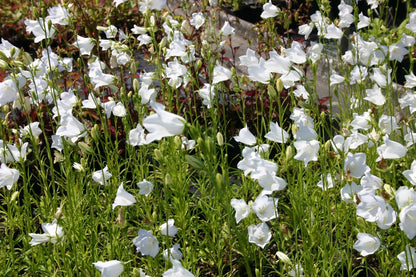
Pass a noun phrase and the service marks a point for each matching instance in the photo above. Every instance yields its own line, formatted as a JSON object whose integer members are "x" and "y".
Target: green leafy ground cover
{"x": 191, "y": 169}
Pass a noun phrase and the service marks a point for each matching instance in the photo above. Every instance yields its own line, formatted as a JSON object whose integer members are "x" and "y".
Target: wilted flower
{"x": 145, "y": 187}
{"x": 366, "y": 244}
{"x": 101, "y": 176}
{"x": 168, "y": 228}
{"x": 52, "y": 232}
{"x": 259, "y": 234}
{"x": 146, "y": 243}
{"x": 123, "y": 198}
{"x": 8, "y": 176}
{"x": 111, "y": 268}
{"x": 242, "y": 210}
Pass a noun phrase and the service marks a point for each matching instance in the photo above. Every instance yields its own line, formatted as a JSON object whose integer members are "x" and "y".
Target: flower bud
{"x": 295, "y": 128}
{"x": 219, "y": 179}
{"x": 283, "y": 257}
{"x": 152, "y": 21}
{"x": 178, "y": 142}
{"x": 327, "y": 146}
{"x": 14, "y": 196}
{"x": 85, "y": 148}
{"x": 95, "y": 132}
{"x": 136, "y": 85}
{"x": 271, "y": 91}
{"x": 220, "y": 139}
{"x": 279, "y": 85}
{"x": 389, "y": 190}
{"x": 289, "y": 153}
{"x": 158, "y": 155}
{"x": 198, "y": 65}
{"x": 168, "y": 179}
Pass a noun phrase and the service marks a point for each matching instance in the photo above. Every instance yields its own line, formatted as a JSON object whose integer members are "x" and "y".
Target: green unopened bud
{"x": 85, "y": 148}
{"x": 168, "y": 179}
{"x": 163, "y": 42}
{"x": 133, "y": 68}
{"x": 279, "y": 85}
{"x": 18, "y": 64}
{"x": 219, "y": 179}
{"x": 5, "y": 109}
{"x": 130, "y": 94}
{"x": 178, "y": 142}
{"x": 122, "y": 92}
{"x": 95, "y": 132}
{"x": 14, "y": 196}
{"x": 327, "y": 146}
{"x": 3, "y": 57}
{"x": 283, "y": 257}
{"x": 200, "y": 142}
{"x": 158, "y": 155}
{"x": 289, "y": 153}
{"x": 198, "y": 65}
{"x": 295, "y": 128}
{"x": 233, "y": 71}
{"x": 152, "y": 21}
{"x": 136, "y": 85}
{"x": 271, "y": 91}
{"x": 49, "y": 24}
{"x": 220, "y": 139}
{"x": 389, "y": 190}
{"x": 209, "y": 143}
